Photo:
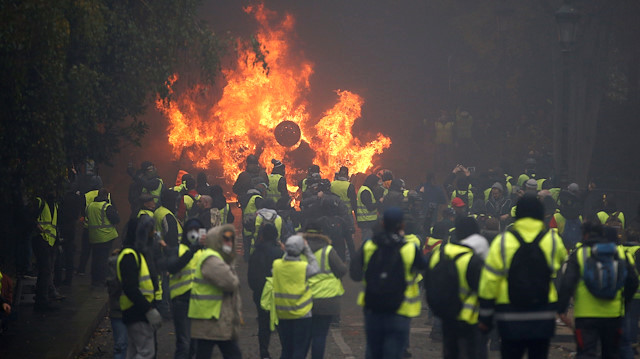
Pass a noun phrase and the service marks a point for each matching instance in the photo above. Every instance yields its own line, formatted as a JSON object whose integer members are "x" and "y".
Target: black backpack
{"x": 385, "y": 278}
{"x": 529, "y": 275}
{"x": 443, "y": 286}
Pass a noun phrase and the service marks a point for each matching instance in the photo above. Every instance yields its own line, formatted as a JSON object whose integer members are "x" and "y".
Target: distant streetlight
{"x": 567, "y": 18}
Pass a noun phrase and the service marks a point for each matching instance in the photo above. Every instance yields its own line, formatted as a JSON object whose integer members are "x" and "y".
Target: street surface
{"x": 345, "y": 341}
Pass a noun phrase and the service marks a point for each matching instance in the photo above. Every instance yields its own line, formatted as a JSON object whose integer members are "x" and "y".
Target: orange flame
{"x": 255, "y": 100}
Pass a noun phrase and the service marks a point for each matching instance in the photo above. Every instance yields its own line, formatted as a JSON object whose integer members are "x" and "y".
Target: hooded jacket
{"x": 244, "y": 181}
{"x": 222, "y": 274}
{"x": 326, "y": 306}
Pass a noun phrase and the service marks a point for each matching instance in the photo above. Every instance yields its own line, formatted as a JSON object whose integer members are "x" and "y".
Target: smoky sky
{"x": 390, "y": 53}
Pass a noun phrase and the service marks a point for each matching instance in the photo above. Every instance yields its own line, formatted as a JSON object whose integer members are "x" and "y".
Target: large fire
{"x": 255, "y": 99}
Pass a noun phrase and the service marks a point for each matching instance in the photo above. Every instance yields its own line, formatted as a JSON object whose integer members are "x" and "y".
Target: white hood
{"x": 478, "y": 243}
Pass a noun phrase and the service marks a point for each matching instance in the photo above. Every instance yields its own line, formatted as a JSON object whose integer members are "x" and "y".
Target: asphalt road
{"x": 345, "y": 341}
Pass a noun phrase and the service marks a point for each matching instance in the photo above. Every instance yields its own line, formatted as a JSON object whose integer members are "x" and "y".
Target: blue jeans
{"x": 119, "y": 338}
{"x": 630, "y": 329}
{"x": 185, "y": 347}
{"x": 295, "y": 337}
{"x": 319, "y": 329}
{"x": 387, "y": 334}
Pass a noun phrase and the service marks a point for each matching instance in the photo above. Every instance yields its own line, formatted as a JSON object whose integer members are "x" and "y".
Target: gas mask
{"x": 193, "y": 236}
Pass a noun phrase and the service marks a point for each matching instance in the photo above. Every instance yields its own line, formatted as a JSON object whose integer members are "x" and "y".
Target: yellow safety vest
{"x": 493, "y": 280}
{"x": 272, "y": 190}
{"x": 144, "y": 278}
{"x": 469, "y": 194}
{"x": 324, "y": 284}
{"x": 604, "y": 216}
{"x": 362, "y": 213}
{"x": 224, "y": 212}
{"x": 468, "y": 298}
{"x": 303, "y": 187}
{"x": 251, "y": 208}
{"x": 88, "y": 199}
{"x": 156, "y": 192}
{"x": 145, "y": 211}
{"x": 48, "y": 221}
{"x": 159, "y": 215}
{"x": 206, "y": 299}
{"x": 291, "y": 292}
{"x": 101, "y": 230}
{"x": 182, "y": 281}
{"x": 411, "y": 305}
{"x": 561, "y": 221}
{"x": 444, "y": 133}
{"x": 341, "y": 188}
{"x": 631, "y": 256}
{"x": 586, "y": 305}
{"x": 258, "y": 223}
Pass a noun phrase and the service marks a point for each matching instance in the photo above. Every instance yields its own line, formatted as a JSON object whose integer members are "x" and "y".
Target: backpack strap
{"x": 536, "y": 242}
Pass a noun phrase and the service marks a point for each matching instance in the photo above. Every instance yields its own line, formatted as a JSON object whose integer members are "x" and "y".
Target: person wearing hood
{"x": 147, "y": 180}
{"x": 249, "y": 203}
{"x": 202, "y": 186}
{"x": 292, "y": 297}
{"x": 394, "y": 196}
{"x": 468, "y": 234}
{"x": 102, "y": 218}
{"x": 326, "y": 287}
{"x": 215, "y": 307}
{"x": 387, "y": 319}
{"x": 246, "y": 179}
{"x": 524, "y": 309}
{"x": 345, "y": 189}
{"x": 367, "y": 207}
{"x": 597, "y": 318}
{"x": 138, "y": 278}
{"x": 266, "y": 214}
{"x": 498, "y": 205}
{"x": 460, "y": 335}
{"x": 181, "y": 264}
{"x": 313, "y": 175}
{"x": 268, "y": 248}
{"x": 169, "y": 230}
{"x": 219, "y": 201}
{"x": 277, "y": 182}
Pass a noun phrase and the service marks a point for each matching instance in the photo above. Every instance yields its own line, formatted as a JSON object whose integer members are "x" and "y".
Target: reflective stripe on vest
{"x": 324, "y": 284}
{"x": 144, "y": 278}
{"x": 100, "y": 228}
{"x": 182, "y": 281}
{"x": 588, "y": 306}
{"x": 292, "y": 295}
{"x": 362, "y": 213}
{"x": 249, "y": 210}
{"x": 412, "y": 304}
{"x": 158, "y": 217}
{"x": 468, "y": 298}
{"x": 48, "y": 221}
{"x": 205, "y": 301}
